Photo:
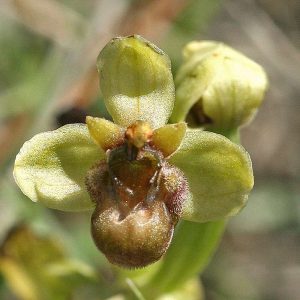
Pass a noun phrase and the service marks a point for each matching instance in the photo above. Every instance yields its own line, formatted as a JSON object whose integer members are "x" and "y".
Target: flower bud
{"x": 217, "y": 87}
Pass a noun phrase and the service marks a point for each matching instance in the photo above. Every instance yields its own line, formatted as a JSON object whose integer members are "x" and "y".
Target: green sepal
{"x": 219, "y": 175}
{"x": 51, "y": 167}
{"x": 136, "y": 81}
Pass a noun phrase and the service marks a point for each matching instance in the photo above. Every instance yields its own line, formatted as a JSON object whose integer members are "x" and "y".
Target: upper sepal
{"x": 136, "y": 81}
{"x": 51, "y": 167}
{"x": 219, "y": 174}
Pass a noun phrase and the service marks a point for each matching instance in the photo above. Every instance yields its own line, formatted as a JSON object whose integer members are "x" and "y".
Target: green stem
{"x": 192, "y": 247}
{"x": 190, "y": 251}
{"x": 233, "y": 135}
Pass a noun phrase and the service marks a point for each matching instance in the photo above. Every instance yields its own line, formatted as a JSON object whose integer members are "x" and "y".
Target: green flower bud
{"x": 217, "y": 87}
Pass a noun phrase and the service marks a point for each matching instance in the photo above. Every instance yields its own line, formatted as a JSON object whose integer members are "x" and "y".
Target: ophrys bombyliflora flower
{"x": 139, "y": 175}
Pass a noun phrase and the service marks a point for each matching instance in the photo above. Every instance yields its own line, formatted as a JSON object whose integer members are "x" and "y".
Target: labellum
{"x": 138, "y": 198}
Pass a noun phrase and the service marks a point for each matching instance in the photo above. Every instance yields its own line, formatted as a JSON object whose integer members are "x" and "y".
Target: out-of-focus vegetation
{"x": 48, "y": 78}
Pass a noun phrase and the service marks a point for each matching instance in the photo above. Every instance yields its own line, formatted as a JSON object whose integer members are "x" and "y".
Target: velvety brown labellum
{"x": 138, "y": 200}
{"x": 137, "y": 240}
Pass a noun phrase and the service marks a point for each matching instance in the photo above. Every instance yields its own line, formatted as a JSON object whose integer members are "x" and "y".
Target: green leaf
{"x": 136, "y": 81}
{"x": 51, "y": 167}
{"x": 219, "y": 174}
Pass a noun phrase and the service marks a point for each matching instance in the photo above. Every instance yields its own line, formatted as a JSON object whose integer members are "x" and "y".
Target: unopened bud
{"x": 217, "y": 87}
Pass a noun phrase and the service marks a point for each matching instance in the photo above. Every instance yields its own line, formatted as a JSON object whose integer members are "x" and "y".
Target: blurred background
{"x": 48, "y": 78}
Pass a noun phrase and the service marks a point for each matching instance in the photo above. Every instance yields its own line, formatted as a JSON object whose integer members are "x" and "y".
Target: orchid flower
{"x": 138, "y": 174}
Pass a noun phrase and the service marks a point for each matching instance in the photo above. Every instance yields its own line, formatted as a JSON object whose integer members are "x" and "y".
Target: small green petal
{"x": 51, "y": 167}
{"x": 219, "y": 174}
{"x": 136, "y": 81}
{"x": 223, "y": 87}
{"x": 105, "y": 133}
{"x": 168, "y": 138}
